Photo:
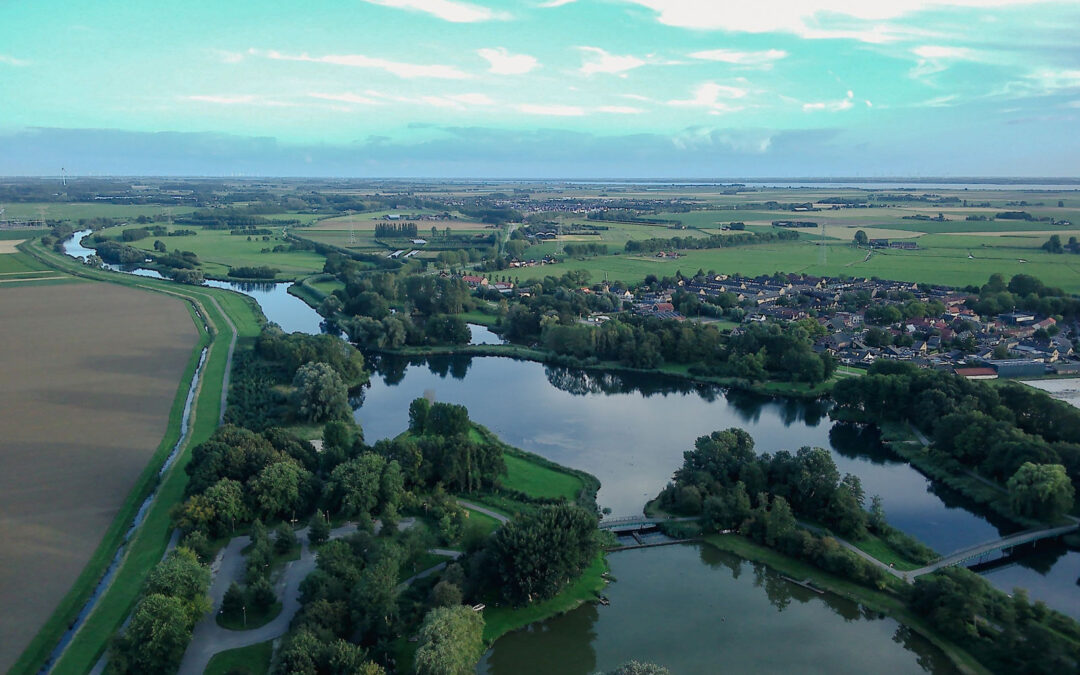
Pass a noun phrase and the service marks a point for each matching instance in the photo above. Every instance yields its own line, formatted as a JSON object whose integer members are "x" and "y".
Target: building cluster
{"x": 1016, "y": 344}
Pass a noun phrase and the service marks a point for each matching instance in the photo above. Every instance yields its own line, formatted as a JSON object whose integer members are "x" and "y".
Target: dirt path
{"x": 480, "y": 509}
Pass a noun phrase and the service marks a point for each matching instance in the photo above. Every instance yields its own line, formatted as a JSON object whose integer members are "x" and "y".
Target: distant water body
{"x": 796, "y": 184}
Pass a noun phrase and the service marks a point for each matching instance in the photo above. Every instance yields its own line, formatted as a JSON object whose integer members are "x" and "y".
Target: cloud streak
{"x": 502, "y": 62}
{"x": 398, "y": 68}
{"x": 447, "y": 10}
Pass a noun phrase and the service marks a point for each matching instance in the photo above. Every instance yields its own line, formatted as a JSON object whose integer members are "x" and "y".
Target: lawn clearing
{"x": 539, "y": 481}
{"x": 253, "y": 660}
{"x": 88, "y": 376}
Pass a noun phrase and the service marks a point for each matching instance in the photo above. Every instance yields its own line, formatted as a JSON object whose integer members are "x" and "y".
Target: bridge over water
{"x": 637, "y": 523}
{"x": 981, "y": 552}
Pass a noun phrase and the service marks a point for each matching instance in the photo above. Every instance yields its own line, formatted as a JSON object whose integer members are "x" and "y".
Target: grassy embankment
{"x": 253, "y": 660}
{"x": 148, "y": 545}
{"x": 886, "y": 602}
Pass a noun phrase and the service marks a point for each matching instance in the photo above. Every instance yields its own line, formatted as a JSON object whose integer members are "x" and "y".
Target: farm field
{"x": 218, "y": 250}
{"x": 88, "y": 377}
{"x": 943, "y": 260}
{"x": 76, "y": 210}
{"x": 368, "y": 221}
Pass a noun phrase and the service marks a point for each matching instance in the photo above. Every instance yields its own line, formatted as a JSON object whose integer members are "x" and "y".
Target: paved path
{"x": 209, "y": 638}
{"x": 487, "y": 512}
{"x": 228, "y": 360}
{"x": 859, "y": 552}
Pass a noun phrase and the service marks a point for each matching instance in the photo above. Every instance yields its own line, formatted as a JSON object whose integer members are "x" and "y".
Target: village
{"x": 863, "y": 320}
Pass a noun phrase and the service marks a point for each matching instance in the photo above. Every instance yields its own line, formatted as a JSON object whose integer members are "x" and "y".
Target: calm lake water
{"x": 718, "y": 614}
{"x": 631, "y": 431}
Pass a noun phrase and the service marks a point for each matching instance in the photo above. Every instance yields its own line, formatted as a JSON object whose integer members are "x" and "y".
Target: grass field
{"x": 218, "y": 250}
{"x": 149, "y": 543}
{"x": 943, "y": 259}
{"x": 77, "y": 210}
{"x": 539, "y": 481}
{"x": 81, "y": 414}
{"x": 253, "y": 660}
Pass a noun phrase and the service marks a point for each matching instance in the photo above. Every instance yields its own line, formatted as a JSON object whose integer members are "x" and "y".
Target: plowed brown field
{"x": 88, "y": 375}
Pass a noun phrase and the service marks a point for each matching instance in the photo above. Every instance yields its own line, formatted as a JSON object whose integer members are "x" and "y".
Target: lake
{"x": 695, "y": 609}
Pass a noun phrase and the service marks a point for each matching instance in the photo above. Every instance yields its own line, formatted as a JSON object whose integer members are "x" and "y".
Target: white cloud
{"x": 555, "y": 3}
{"x": 404, "y": 70}
{"x": 946, "y": 101}
{"x": 597, "y": 60}
{"x": 372, "y": 97}
{"x": 716, "y": 97}
{"x": 345, "y": 98}
{"x": 504, "y": 63}
{"x": 832, "y": 106}
{"x": 550, "y": 109}
{"x": 447, "y": 10}
{"x": 636, "y": 97}
{"x": 238, "y": 99}
{"x": 620, "y": 110}
{"x": 472, "y": 99}
{"x": 759, "y": 59}
{"x": 12, "y": 61}
{"x": 861, "y": 20}
{"x": 933, "y": 59}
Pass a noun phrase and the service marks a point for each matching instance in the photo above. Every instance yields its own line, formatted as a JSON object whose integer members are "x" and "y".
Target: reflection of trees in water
{"x": 859, "y": 441}
{"x": 529, "y": 651}
{"x": 580, "y": 382}
{"x": 930, "y": 659}
{"x": 715, "y": 558}
{"x": 749, "y": 407}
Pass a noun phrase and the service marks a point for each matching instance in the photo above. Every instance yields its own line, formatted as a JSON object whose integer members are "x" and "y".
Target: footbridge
{"x": 981, "y": 553}
{"x": 637, "y": 523}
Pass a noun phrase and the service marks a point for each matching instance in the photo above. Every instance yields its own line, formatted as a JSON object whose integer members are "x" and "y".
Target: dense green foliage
{"x": 992, "y": 429}
{"x": 173, "y": 601}
{"x": 1009, "y": 634}
{"x": 721, "y": 473}
{"x": 450, "y": 641}
{"x": 320, "y": 394}
{"x": 533, "y": 556}
{"x": 712, "y": 241}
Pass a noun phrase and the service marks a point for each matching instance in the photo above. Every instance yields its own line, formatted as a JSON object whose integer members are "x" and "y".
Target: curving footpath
{"x": 209, "y": 639}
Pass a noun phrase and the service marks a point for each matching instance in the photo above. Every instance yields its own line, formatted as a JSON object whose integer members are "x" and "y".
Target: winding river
{"x": 631, "y": 431}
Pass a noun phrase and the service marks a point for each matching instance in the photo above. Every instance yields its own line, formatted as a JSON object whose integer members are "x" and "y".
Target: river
{"x": 631, "y": 431}
{"x": 718, "y": 614}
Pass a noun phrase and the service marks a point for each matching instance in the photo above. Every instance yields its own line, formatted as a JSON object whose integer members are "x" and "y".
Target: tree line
{"x": 1002, "y": 432}
{"x": 711, "y": 241}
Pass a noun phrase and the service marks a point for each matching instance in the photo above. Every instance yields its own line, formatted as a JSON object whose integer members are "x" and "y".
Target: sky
{"x": 540, "y": 88}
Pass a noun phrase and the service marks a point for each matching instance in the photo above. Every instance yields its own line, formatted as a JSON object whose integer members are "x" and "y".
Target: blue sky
{"x": 541, "y": 88}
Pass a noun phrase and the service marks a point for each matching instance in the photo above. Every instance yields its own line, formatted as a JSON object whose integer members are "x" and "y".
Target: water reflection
{"x": 694, "y": 609}
{"x": 630, "y": 430}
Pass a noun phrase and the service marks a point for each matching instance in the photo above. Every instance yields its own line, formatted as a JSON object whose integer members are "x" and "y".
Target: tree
{"x": 262, "y": 594}
{"x": 280, "y": 489}
{"x": 321, "y": 394}
{"x": 155, "y": 640}
{"x": 639, "y": 668}
{"x": 233, "y": 602}
{"x": 535, "y": 555}
{"x": 353, "y": 488}
{"x": 451, "y": 641}
{"x": 284, "y": 538}
{"x": 181, "y": 576}
{"x": 318, "y": 529}
{"x": 1041, "y": 491}
{"x": 445, "y": 594}
{"x": 861, "y": 239}
{"x": 418, "y": 412}
{"x": 1053, "y": 245}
